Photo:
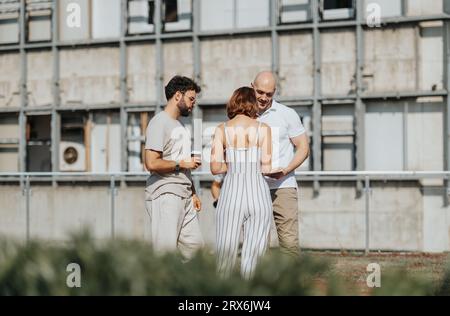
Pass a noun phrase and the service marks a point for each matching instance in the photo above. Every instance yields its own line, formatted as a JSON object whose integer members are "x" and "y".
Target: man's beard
{"x": 184, "y": 110}
{"x": 263, "y": 107}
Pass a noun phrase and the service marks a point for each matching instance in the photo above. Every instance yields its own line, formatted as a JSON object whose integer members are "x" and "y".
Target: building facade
{"x": 80, "y": 79}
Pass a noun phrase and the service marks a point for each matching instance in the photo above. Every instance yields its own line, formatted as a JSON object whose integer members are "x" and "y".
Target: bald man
{"x": 290, "y": 148}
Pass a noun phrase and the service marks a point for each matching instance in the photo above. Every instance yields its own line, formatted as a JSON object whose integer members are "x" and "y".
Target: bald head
{"x": 264, "y": 86}
{"x": 265, "y": 78}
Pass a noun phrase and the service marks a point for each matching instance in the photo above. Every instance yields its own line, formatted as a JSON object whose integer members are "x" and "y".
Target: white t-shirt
{"x": 285, "y": 124}
{"x": 170, "y": 137}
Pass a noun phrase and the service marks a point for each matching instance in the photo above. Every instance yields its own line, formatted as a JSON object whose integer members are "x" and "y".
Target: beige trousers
{"x": 285, "y": 213}
{"x": 174, "y": 225}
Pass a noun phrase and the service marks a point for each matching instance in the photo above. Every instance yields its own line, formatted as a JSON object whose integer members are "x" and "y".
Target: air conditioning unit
{"x": 72, "y": 156}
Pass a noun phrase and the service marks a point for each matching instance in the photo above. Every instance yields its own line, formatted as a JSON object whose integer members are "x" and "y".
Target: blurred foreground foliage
{"x": 124, "y": 267}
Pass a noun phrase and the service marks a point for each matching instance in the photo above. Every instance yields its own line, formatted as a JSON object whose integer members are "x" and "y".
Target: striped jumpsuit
{"x": 244, "y": 202}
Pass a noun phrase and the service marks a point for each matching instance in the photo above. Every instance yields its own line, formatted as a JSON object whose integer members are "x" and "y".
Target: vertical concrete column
{"x": 23, "y": 90}
{"x": 123, "y": 86}
{"x": 435, "y": 222}
{"x": 317, "y": 105}
{"x": 159, "y": 57}
{"x": 56, "y": 117}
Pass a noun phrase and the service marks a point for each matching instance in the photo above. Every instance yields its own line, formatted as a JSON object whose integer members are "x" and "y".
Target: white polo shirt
{"x": 285, "y": 124}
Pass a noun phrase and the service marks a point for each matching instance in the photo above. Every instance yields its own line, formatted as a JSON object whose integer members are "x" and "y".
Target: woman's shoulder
{"x": 220, "y": 126}
{"x": 264, "y": 125}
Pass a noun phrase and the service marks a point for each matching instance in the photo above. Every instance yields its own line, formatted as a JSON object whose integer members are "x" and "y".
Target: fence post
{"x": 112, "y": 190}
{"x": 27, "y": 193}
{"x": 446, "y": 191}
{"x": 367, "y": 210}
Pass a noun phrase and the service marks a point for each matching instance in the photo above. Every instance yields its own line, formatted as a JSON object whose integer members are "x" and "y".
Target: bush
{"x": 121, "y": 267}
{"x": 124, "y": 267}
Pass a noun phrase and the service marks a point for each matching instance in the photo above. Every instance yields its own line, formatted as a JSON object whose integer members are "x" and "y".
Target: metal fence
{"x": 362, "y": 178}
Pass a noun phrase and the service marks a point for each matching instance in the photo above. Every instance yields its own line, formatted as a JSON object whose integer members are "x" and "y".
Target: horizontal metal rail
{"x": 25, "y": 179}
{"x": 207, "y": 176}
{"x": 423, "y": 174}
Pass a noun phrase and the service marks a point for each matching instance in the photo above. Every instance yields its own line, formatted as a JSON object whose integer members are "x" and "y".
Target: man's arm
{"x": 298, "y": 136}
{"x": 301, "y": 145}
{"x": 155, "y": 163}
{"x": 195, "y": 199}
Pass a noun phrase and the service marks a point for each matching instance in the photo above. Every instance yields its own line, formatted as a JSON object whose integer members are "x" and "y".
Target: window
{"x": 223, "y": 14}
{"x": 140, "y": 16}
{"x": 177, "y": 15}
{"x": 337, "y": 4}
{"x": 292, "y": 11}
{"x": 9, "y": 143}
{"x": 39, "y": 19}
{"x": 337, "y": 138}
{"x": 170, "y": 11}
{"x": 137, "y": 126}
{"x": 9, "y": 21}
{"x": 38, "y": 136}
{"x": 337, "y": 9}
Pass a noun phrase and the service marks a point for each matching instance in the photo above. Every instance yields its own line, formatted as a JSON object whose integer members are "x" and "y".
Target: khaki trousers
{"x": 285, "y": 213}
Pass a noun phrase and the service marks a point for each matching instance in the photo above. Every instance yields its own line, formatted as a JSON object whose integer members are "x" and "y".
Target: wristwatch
{"x": 177, "y": 166}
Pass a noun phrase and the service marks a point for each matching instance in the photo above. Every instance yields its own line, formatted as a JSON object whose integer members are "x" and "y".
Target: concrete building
{"x": 80, "y": 79}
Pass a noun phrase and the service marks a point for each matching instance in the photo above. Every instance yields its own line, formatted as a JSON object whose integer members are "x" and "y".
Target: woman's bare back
{"x": 242, "y": 132}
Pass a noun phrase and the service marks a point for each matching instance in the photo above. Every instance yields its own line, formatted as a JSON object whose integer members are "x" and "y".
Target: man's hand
{"x": 197, "y": 203}
{"x": 191, "y": 163}
{"x": 277, "y": 173}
